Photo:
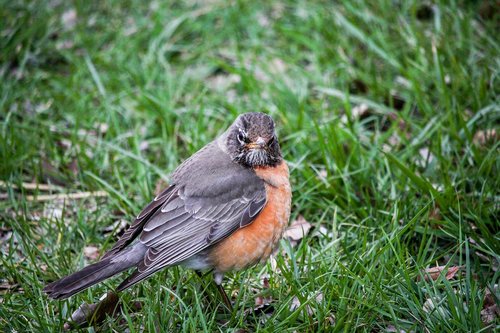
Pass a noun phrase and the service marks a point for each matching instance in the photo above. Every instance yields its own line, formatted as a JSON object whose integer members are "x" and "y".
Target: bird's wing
{"x": 185, "y": 225}
{"x": 136, "y": 227}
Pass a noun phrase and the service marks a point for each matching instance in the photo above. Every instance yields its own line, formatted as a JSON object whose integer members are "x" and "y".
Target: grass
{"x": 380, "y": 108}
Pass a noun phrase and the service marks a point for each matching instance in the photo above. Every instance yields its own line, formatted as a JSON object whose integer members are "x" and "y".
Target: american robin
{"x": 225, "y": 209}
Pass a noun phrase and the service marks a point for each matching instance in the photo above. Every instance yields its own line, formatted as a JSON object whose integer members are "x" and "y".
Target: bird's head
{"x": 252, "y": 142}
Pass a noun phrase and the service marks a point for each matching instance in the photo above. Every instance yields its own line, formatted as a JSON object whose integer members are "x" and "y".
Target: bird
{"x": 225, "y": 209}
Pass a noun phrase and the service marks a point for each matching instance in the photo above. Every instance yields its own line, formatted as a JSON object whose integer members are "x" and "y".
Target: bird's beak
{"x": 260, "y": 143}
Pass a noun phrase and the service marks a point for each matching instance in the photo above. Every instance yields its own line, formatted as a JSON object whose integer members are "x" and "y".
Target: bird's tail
{"x": 92, "y": 274}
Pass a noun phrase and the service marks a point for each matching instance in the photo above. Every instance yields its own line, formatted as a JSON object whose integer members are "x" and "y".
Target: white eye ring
{"x": 241, "y": 137}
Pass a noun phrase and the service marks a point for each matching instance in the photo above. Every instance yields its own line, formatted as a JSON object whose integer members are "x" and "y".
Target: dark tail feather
{"x": 87, "y": 277}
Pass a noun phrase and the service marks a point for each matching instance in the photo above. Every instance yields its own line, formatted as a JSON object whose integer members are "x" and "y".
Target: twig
{"x": 69, "y": 196}
{"x": 31, "y": 186}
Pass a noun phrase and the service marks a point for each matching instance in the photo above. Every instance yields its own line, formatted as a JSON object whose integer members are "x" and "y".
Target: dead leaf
{"x": 91, "y": 252}
{"x": 318, "y": 298}
{"x": 484, "y": 137}
{"x": 73, "y": 167}
{"x": 433, "y": 305}
{"x": 322, "y": 231}
{"x": 297, "y": 230}
{"x": 117, "y": 228}
{"x": 490, "y": 310}
{"x": 222, "y": 82}
{"x": 131, "y": 27}
{"x": 278, "y": 66}
{"x": 51, "y": 174}
{"x": 359, "y": 110}
{"x": 94, "y": 314}
{"x": 262, "y": 306}
{"x": 426, "y": 157}
{"x": 54, "y": 209}
{"x": 435, "y": 213}
{"x": 295, "y": 303}
{"x": 263, "y": 20}
{"x": 433, "y": 273}
{"x": 64, "y": 44}
{"x": 68, "y": 19}
{"x": 489, "y": 314}
{"x": 392, "y": 328}
{"x": 7, "y": 286}
{"x": 261, "y": 300}
{"x": 144, "y": 145}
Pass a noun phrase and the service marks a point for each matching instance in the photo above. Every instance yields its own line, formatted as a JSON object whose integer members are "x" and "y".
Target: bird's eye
{"x": 241, "y": 138}
{"x": 271, "y": 140}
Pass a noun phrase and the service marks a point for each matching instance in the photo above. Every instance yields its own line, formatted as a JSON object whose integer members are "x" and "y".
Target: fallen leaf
{"x": 131, "y": 27}
{"x": 318, "y": 298}
{"x": 322, "y": 231}
{"x": 278, "y": 66}
{"x": 91, "y": 252}
{"x": 392, "y": 328}
{"x": 426, "y": 157}
{"x": 433, "y": 273}
{"x": 94, "y": 314}
{"x": 295, "y": 303}
{"x": 431, "y": 305}
{"x": 68, "y": 19}
{"x": 298, "y": 229}
{"x": 435, "y": 213}
{"x": 490, "y": 310}
{"x": 263, "y": 20}
{"x": 484, "y": 137}
{"x": 261, "y": 300}
{"x": 54, "y": 209}
{"x": 51, "y": 174}
{"x": 222, "y": 82}
{"x": 117, "y": 228}
{"x": 265, "y": 283}
{"x": 489, "y": 314}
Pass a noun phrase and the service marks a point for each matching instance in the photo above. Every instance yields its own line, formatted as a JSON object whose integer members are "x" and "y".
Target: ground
{"x": 387, "y": 113}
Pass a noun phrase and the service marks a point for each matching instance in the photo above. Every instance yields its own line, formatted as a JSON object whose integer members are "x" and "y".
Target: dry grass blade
{"x": 69, "y": 196}
{"x": 32, "y": 186}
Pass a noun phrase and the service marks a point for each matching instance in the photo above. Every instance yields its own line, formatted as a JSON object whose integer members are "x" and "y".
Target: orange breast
{"x": 255, "y": 242}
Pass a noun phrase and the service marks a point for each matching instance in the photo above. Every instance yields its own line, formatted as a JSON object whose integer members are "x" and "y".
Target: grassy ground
{"x": 387, "y": 112}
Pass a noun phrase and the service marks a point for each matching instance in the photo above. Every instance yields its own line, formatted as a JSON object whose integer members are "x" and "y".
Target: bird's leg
{"x": 218, "y": 284}
{"x": 226, "y": 299}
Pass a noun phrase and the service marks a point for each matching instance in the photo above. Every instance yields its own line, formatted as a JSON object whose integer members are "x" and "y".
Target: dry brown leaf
{"x": 318, "y": 298}
{"x": 433, "y": 273}
{"x": 68, "y": 19}
{"x": 426, "y": 157}
{"x": 483, "y": 137}
{"x": 489, "y": 314}
{"x": 298, "y": 229}
{"x": 117, "y": 228}
{"x": 265, "y": 283}
{"x": 359, "y": 110}
{"x": 91, "y": 252}
{"x": 393, "y": 329}
{"x": 435, "y": 213}
{"x": 94, "y": 314}
{"x": 222, "y": 82}
{"x": 490, "y": 310}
